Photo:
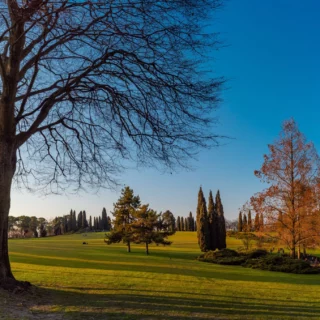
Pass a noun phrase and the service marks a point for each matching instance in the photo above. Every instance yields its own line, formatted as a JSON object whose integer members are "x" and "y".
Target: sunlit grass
{"x": 97, "y": 281}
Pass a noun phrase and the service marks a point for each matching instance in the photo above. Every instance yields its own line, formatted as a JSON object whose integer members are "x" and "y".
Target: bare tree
{"x": 290, "y": 203}
{"x": 87, "y": 84}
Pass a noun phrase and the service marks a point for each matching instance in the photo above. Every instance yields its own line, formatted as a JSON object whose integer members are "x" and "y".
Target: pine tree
{"x": 261, "y": 221}
{"x": 256, "y": 223}
{"x": 213, "y": 223}
{"x": 202, "y": 223}
{"x": 124, "y": 215}
{"x": 240, "y": 225}
{"x": 249, "y": 221}
{"x": 178, "y": 224}
{"x": 222, "y": 224}
{"x": 147, "y": 228}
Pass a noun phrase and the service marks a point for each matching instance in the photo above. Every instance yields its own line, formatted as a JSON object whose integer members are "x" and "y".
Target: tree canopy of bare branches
{"x": 86, "y": 84}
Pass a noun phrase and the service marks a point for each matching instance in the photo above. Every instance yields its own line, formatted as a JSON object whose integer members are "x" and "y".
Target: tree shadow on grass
{"x": 134, "y": 305}
{"x": 170, "y": 267}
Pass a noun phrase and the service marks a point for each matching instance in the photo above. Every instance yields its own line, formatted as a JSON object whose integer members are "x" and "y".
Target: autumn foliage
{"x": 290, "y": 204}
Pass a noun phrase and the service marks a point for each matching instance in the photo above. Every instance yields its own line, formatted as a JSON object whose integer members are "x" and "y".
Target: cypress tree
{"x": 84, "y": 219}
{"x": 240, "y": 227}
{"x": 256, "y": 223}
{"x": 104, "y": 219}
{"x": 178, "y": 224}
{"x": 182, "y": 224}
{"x": 186, "y": 223}
{"x": 109, "y": 223}
{"x": 191, "y": 222}
{"x": 249, "y": 221}
{"x": 244, "y": 223}
{"x": 79, "y": 221}
{"x": 222, "y": 224}
{"x": 202, "y": 223}
{"x": 74, "y": 221}
{"x": 90, "y": 223}
{"x": 100, "y": 223}
{"x": 213, "y": 223}
{"x": 195, "y": 226}
{"x": 261, "y": 222}
{"x": 70, "y": 221}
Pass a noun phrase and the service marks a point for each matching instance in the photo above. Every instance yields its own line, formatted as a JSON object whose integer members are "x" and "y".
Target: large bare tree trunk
{"x": 7, "y": 169}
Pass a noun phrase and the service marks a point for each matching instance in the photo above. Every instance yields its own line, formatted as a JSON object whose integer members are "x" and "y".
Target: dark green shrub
{"x": 257, "y": 254}
{"x": 281, "y": 264}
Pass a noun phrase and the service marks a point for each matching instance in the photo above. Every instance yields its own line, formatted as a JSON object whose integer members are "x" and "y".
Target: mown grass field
{"x": 97, "y": 281}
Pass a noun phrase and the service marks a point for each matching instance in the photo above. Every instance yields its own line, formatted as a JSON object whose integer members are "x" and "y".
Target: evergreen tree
{"x": 70, "y": 221}
{"x": 74, "y": 221}
{"x": 240, "y": 226}
{"x": 84, "y": 219}
{"x": 100, "y": 225}
{"x": 148, "y": 228}
{"x": 169, "y": 219}
{"x": 182, "y": 224}
{"x": 109, "y": 223}
{"x": 104, "y": 219}
{"x": 213, "y": 223}
{"x": 256, "y": 223}
{"x": 195, "y": 226}
{"x": 124, "y": 215}
{"x": 178, "y": 224}
{"x": 79, "y": 220}
{"x": 202, "y": 223}
{"x": 90, "y": 223}
{"x": 244, "y": 223}
{"x": 249, "y": 221}
{"x": 222, "y": 244}
{"x": 186, "y": 224}
{"x": 191, "y": 222}
{"x": 261, "y": 220}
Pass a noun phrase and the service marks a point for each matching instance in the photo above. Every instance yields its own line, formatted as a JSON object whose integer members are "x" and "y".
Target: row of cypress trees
{"x": 186, "y": 224}
{"x": 211, "y": 227}
{"x": 246, "y": 224}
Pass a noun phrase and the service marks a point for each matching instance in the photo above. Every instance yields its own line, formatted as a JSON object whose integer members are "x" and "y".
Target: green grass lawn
{"x": 97, "y": 281}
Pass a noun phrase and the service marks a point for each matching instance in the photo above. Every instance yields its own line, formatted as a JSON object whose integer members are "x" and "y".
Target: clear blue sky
{"x": 272, "y": 63}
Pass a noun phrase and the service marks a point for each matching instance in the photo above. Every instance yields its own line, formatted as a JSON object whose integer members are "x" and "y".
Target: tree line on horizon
{"x": 25, "y": 226}
{"x": 211, "y": 227}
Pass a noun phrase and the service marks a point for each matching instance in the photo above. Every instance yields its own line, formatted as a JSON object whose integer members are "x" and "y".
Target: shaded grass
{"x": 97, "y": 281}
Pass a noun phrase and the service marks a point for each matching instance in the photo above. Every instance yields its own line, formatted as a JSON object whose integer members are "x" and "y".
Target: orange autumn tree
{"x": 290, "y": 203}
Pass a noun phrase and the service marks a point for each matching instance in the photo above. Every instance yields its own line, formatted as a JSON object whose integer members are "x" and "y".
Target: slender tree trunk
{"x": 147, "y": 248}
{"x": 293, "y": 250}
{"x": 128, "y": 246}
{"x": 7, "y": 169}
